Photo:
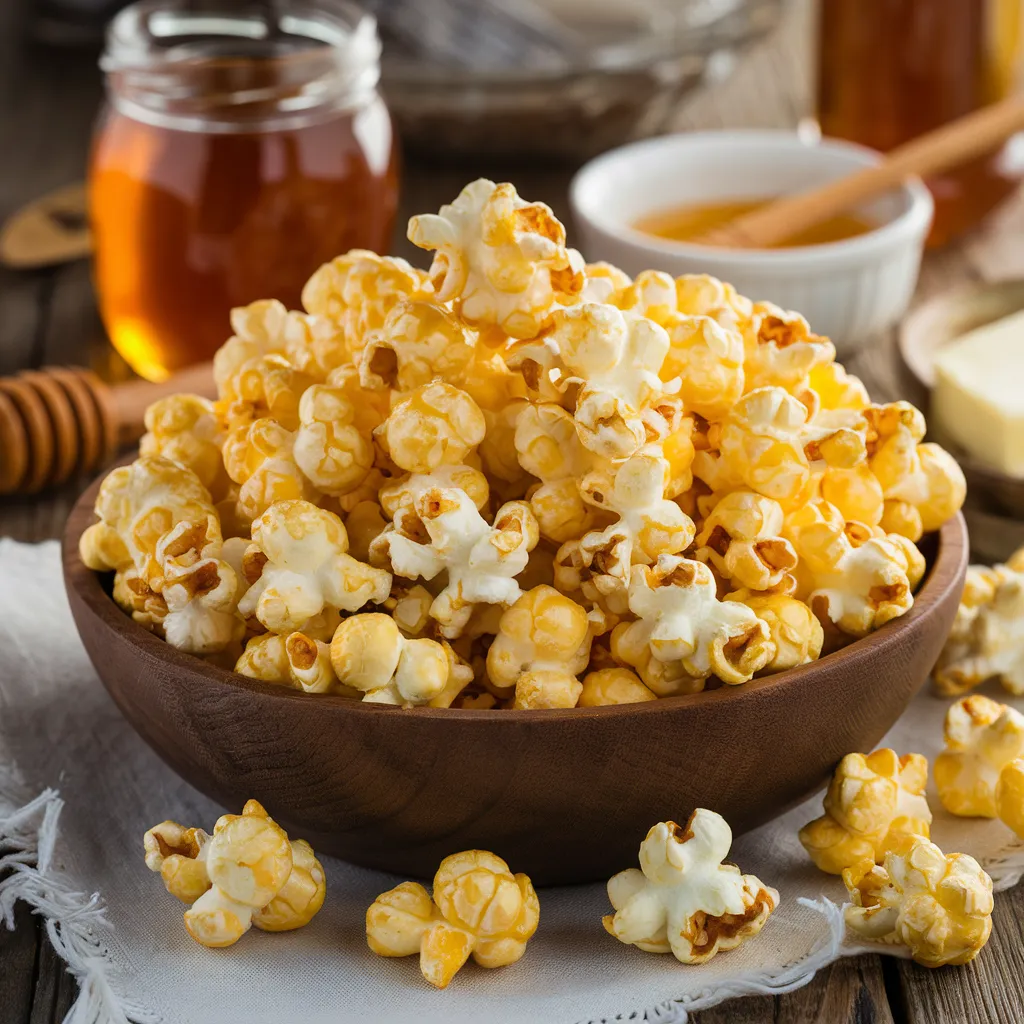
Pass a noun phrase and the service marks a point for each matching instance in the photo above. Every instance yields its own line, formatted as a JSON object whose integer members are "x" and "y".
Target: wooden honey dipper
{"x": 59, "y": 422}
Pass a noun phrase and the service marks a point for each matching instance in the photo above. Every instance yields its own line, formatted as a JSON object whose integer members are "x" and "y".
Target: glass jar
{"x": 890, "y": 70}
{"x": 233, "y": 158}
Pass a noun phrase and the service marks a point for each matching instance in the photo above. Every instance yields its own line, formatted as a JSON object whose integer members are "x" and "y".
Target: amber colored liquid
{"x": 890, "y": 70}
{"x": 188, "y": 225}
{"x": 685, "y": 223}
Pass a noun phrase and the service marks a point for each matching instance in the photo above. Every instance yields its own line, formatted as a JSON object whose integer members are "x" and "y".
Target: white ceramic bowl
{"x": 847, "y": 290}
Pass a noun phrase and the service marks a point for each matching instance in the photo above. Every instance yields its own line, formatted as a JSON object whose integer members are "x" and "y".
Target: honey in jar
{"x": 890, "y": 70}
{"x": 690, "y": 221}
{"x": 233, "y": 159}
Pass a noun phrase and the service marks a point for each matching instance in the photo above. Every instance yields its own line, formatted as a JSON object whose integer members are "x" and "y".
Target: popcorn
{"x": 329, "y": 449}
{"x": 402, "y": 495}
{"x": 364, "y": 523}
{"x": 501, "y": 261}
{"x": 419, "y": 342}
{"x": 982, "y": 738}
{"x": 479, "y": 909}
{"x": 262, "y": 387}
{"x": 445, "y": 532}
{"x": 780, "y": 349}
{"x": 872, "y": 803}
{"x": 247, "y": 872}
{"x": 615, "y": 358}
{"x": 685, "y": 900}
{"x": 704, "y": 295}
{"x": 1010, "y": 796}
{"x": 370, "y": 655}
{"x": 184, "y": 429}
{"x": 793, "y": 628}
{"x": 293, "y": 660}
{"x": 707, "y": 358}
{"x": 613, "y": 686}
{"x": 436, "y": 425}
{"x": 355, "y": 293}
{"x": 299, "y": 566}
{"x": 939, "y": 906}
{"x": 987, "y": 639}
{"x": 542, "y": 645}
{"x": 684, "y": 634}
{"x": 853, "y": 579}
{"x": 741, "y": 539}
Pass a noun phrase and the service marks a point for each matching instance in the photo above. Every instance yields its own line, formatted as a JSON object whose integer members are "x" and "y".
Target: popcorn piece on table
{"x": 684, "y": 634}
{"x": 982, "y": 738}
{"x": 479, "y": 909}
{"x": 329, "y": 448}
{"x": 742, "y": 539}
{"x": 542, "y": 645}
{"x": 685, "y": 900}
{"x": 248, "y": 872}
{"x": 853, "y": 579}
{"x": 355, "y": 292}
{"x": 1010, "y": 796}
{"x": 987, "y": 639}
{"x": 370, "y": 654}
{"x": 419, "y": 341}
{"x": 549, "y": 449}
{"x": 793, "y": 628}
{"x": 613, "y": 686}
{"x": 435, "y": 425}
{"x": 501, "y": 261}
{"x": 184, "y": 429}
{"x": 939, "y": 906}
{"x": 444, "y": 531}
{"x": 293, "y": 660}
{"x": 299, "y": 566}
{"x": 615, "y": 358}
{"x": 871, "y": 803}
{"x": 260, "y": 458}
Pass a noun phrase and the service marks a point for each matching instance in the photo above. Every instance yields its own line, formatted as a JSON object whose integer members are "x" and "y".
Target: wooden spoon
{"x": 948, "y": 146}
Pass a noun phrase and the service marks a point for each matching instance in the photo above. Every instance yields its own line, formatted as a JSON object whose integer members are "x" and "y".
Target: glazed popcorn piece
{"x": 684, "y": 899}
{"x": 793, "y": 628}
{"x": 542, "y": 645}
{"x": 299, "y": 566}
{"x": 184, "y": 429}
{"x": 871, "y": 804}
{"x": 501, "y": 261}
{"x": 704, "y": 295}
{"x": 355, "y": 293}
{"x": 742, "y": 539}
{"x": 479, "y": 909}
{"x": 707, "y": 357}
{"x": 987, "y": 639}
{"x": 401, "y": 496}
{"x": 444, "y": 531}
{"x": 684, "y": 634}
{"x": 419, "y": 341}
{"x": 613, "y": 686}
{"x": 293, "y": 660}
{"x": 781, "y": 350}
{"x": 937, "y": 905}
{"x": 982, "y": 738}
{"x": 329, "y": 448}
{"x": 1010, "y": 796}
{"x": 436, "y": 425}
{"x": 852, "y": 578}
{"x": 247, "y": 872}
{"x": 260, "y": 458}
{"x": 370, "y": 654}
{"x": 615, "y": 358}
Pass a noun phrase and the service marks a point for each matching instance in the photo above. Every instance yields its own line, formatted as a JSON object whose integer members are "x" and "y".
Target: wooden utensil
{"x": 946, "y": 147}
{"x": 51, "y": 229}
{"x": 564, "y": 795}
{"x": 62, "y": 421}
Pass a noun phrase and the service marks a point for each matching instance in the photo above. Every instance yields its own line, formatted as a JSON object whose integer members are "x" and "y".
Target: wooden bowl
{"x": 565, "y": 796}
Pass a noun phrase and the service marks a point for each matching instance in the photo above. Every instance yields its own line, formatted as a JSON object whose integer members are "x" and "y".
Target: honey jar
{"x": 239, "y": 150}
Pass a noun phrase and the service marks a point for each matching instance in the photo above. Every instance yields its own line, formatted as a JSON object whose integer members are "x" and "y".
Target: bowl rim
{"x": 944, "y": 573}
{"x": 901, "y": 230}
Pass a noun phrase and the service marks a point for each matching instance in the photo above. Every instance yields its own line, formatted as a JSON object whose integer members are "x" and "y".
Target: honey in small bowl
{"x": 690, "y": 221}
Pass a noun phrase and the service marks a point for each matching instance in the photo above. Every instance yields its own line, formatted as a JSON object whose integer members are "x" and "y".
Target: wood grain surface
{"x": 47, "y": 101}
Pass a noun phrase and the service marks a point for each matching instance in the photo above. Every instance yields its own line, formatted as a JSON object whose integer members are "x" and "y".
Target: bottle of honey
{"x": 890, "y": 70}
{"x": 239, "y": 150}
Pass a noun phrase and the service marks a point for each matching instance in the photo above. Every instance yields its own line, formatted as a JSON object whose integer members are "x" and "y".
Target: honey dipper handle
{"x": 946, "y": 147}
{"x": 132, "y": 398}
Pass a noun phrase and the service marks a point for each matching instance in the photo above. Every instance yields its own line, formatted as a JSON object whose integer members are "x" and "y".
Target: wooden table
{"x": 47, "y": 104}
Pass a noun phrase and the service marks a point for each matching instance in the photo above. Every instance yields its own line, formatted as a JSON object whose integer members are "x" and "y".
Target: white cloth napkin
{"x": 129, "y": 949}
